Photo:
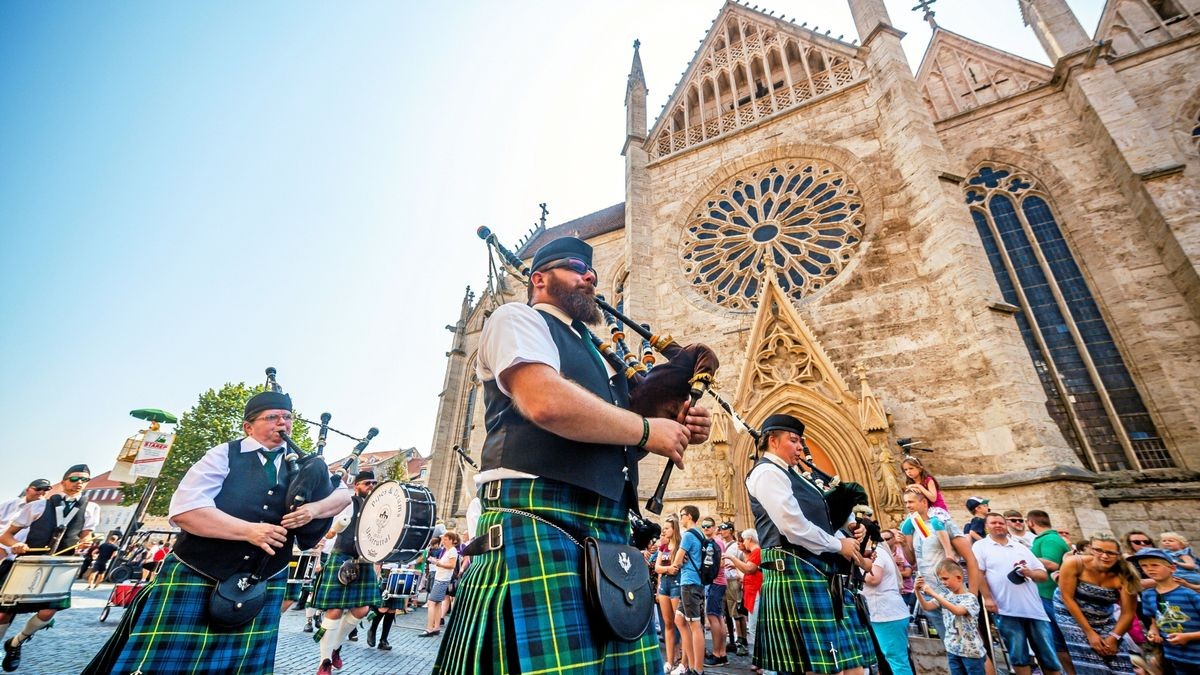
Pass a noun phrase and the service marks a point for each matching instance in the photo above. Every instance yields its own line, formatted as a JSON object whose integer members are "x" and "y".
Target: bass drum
{"x": 396, "y": 522}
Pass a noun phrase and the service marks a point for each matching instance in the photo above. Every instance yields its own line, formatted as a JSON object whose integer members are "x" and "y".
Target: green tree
{"x": 215, "y": 419}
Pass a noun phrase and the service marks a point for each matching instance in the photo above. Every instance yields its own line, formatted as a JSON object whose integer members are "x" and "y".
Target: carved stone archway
{"x": 787, "y": 370}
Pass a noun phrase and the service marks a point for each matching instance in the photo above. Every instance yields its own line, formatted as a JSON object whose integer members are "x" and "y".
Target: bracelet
{"x": 645, "y": 433}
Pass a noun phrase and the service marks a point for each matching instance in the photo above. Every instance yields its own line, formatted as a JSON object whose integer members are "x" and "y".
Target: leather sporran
{"x": 616, "y": 583}
{"x": 348, "y": 572}
{"x": 236, "y": 601}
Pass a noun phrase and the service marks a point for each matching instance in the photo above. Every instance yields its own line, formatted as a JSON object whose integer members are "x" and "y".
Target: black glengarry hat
{"x": 78, "y": 468}
{"x": 561, "y": 249}
{"x": 780, "y": 422}
{"x": 365, "y": 474}
{"x": 267, "y": 400}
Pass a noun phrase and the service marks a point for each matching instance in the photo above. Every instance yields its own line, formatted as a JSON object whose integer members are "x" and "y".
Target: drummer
{"x": 42, "y": 518}
{"x": 345, "y": 604}
{"x": 10, "y": 509}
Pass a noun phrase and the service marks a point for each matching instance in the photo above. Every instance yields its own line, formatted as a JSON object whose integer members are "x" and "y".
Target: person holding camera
{"x": 1008, "y": 566}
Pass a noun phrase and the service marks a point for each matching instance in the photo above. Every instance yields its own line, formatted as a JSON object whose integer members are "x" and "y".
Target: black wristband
{"x": 645, "y": 433}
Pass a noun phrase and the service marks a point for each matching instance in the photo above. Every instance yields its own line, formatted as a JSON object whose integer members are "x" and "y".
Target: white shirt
{"x": 445, "y": 573}
{"x": 1026, "y": 538}
{"x": 202, "y": 483}
{"x": 773, "y": 489}
{"x": 514, "y": 334}
{"x": 996, "y": 560}
{"x": 34, "y": 510}
{"x": 8, "y": 513}
{"x": 883, "y": 599}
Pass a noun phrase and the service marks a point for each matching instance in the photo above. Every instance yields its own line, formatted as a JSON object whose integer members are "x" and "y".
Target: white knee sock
{"x": 327, "y": 640}
{"x": 309, "y": 613}
{"x": 33, "y": 625}
{"x": 344, "y": 627}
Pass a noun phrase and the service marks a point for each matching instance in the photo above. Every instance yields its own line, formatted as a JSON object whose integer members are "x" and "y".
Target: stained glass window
{"x": 1090, "y": 393}
{"x": 800, "y": 219}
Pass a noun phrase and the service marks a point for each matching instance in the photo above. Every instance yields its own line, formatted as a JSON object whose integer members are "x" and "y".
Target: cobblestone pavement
{"x": 78, "y": 634}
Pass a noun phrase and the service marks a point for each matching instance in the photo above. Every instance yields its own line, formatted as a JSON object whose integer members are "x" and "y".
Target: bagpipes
{"x": 311, "y": 481}
{"x": 666, "y": 390}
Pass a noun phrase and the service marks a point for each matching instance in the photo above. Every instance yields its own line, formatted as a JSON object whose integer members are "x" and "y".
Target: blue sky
{"x": 190, "y": 192}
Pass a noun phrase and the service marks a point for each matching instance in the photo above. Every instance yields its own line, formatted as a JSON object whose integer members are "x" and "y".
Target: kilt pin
{"x": 521, "y": 608}
{"x": 167, "y": 625}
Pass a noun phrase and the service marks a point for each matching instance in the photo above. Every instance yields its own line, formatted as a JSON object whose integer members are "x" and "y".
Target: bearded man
{"x": 560, "y": 463}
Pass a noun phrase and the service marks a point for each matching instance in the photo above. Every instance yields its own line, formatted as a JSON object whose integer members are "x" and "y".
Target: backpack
{"x": 710, "y": 558}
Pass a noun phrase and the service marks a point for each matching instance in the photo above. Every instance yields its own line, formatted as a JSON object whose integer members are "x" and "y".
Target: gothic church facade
{"x": 996, "y": 257}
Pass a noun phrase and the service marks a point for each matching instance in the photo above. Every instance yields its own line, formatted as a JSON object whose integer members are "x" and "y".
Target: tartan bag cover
{"x": 797, "y": 630}
{"x": 165, "y": 631}
{"x": 331, "y": 594}
{"x": 521, "y": 609}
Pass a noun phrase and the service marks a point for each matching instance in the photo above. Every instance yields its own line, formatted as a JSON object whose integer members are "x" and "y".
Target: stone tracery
{"x": 799, "y": 221}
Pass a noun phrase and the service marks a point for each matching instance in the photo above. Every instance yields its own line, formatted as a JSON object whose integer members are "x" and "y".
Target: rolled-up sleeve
{"x": 515, "y": 333}
{"x": 201, "y": 484}
{"x": 773, "y": 490}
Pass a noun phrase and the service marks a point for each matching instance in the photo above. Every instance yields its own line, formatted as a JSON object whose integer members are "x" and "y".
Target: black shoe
{"x": 12, "y": 655}
{"x": 429, "y": 633}
{"x": 383, "y": 644}
{"x": 371, "y": 638}
{"x": 308, "y": 626}
{"x": 353, "y": 636}
{"x": 716, "y": 660}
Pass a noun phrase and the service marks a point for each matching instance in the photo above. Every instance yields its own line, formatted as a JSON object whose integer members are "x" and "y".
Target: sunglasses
{"x": 1016, "y": 520}
{"x": 575, "y": 265}
{"x": 1139, "y": 542}
{"x": 77, "y": 479}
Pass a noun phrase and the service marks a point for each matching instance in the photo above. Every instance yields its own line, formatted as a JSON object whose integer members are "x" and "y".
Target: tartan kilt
{"x": 797, "y": 631}
{"x": 329, "y": 593}
{"x": 521, "y": 608}
{"x": 165, "y": 630}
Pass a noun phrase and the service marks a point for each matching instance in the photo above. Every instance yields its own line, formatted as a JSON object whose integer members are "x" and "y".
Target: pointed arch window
{"x": 1090, "y": 393}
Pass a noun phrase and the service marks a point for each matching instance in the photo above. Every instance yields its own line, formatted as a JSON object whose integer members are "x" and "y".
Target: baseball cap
{"x": 725, "y": 527}
{"x": 974, "y": 502}
{"x": 1156, "y": 553}
{"x": 40, "y": 484}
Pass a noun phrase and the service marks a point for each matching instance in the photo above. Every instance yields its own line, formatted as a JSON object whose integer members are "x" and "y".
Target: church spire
{"x": 635, "y": 101}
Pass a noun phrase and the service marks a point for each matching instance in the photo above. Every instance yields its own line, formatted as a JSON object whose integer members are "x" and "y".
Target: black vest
{"x": 513, "y": 442}
{"x": 346, "y": 538}
{"x": 812, "y": 504}
{"x": 41, "y": 531}
{"x": 245, "y": 495}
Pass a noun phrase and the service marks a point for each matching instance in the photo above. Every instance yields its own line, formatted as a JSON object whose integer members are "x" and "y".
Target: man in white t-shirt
{"x": 1008, "y": 566}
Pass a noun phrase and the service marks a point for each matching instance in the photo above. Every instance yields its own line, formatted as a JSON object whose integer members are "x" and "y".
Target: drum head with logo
{"x": 395, "y": 522}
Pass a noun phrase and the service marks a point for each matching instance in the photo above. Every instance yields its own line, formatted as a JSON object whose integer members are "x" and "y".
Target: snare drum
{"x": 401, "y": 583}
{"x": 395, "y": 523}
{"x": 39, "y": 582}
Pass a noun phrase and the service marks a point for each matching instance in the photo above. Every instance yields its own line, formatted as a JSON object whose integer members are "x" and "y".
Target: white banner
{"x": 152, "y": 454}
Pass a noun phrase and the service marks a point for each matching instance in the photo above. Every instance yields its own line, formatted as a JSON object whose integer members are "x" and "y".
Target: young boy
{"x": 960, "y": 612}
{"x": 1174, "y": 611}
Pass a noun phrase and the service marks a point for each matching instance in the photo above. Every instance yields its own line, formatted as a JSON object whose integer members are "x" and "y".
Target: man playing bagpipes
{"x": 559, "y": 465}
{"x": 56, "y": 525}
{"x": 807, "y": 621}
{"x": 198, "y": 615}
{"x": 347, "y": 586}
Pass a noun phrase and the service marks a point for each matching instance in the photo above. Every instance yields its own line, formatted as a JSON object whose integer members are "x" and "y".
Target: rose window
{"x": 801, "y": 220}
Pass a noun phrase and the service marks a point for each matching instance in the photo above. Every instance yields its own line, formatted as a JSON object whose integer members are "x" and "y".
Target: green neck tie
{"x": 587, "y": 340}
{"x": 272, "y": 472}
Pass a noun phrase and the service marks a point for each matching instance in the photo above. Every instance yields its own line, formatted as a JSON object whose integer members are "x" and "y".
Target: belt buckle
{"x": 495, "y": 537}
{"x": 777, "y": 565}
{"x": 492, "y": 490}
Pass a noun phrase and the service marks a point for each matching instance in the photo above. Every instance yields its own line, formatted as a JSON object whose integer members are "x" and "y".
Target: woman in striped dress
{"x": 1090, "y": 587}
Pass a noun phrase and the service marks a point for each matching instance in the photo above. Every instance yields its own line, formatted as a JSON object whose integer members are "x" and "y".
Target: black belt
{"x": 492, "y": 540}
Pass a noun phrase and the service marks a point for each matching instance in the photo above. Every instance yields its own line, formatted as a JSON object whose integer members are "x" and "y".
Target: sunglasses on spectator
{"x": 574, "y": 264}
{"x": 1016, "y": 520}
{"x": 1139, "y": 542}
{"x": 706, "y": 525}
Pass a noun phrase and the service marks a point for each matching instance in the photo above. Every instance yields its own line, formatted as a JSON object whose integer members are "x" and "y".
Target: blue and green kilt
{"x": 797, "y": 631}
{"x": 329, "y": 593}
{"x": 165, "y": 630}
{"x": 521, "y": 609}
